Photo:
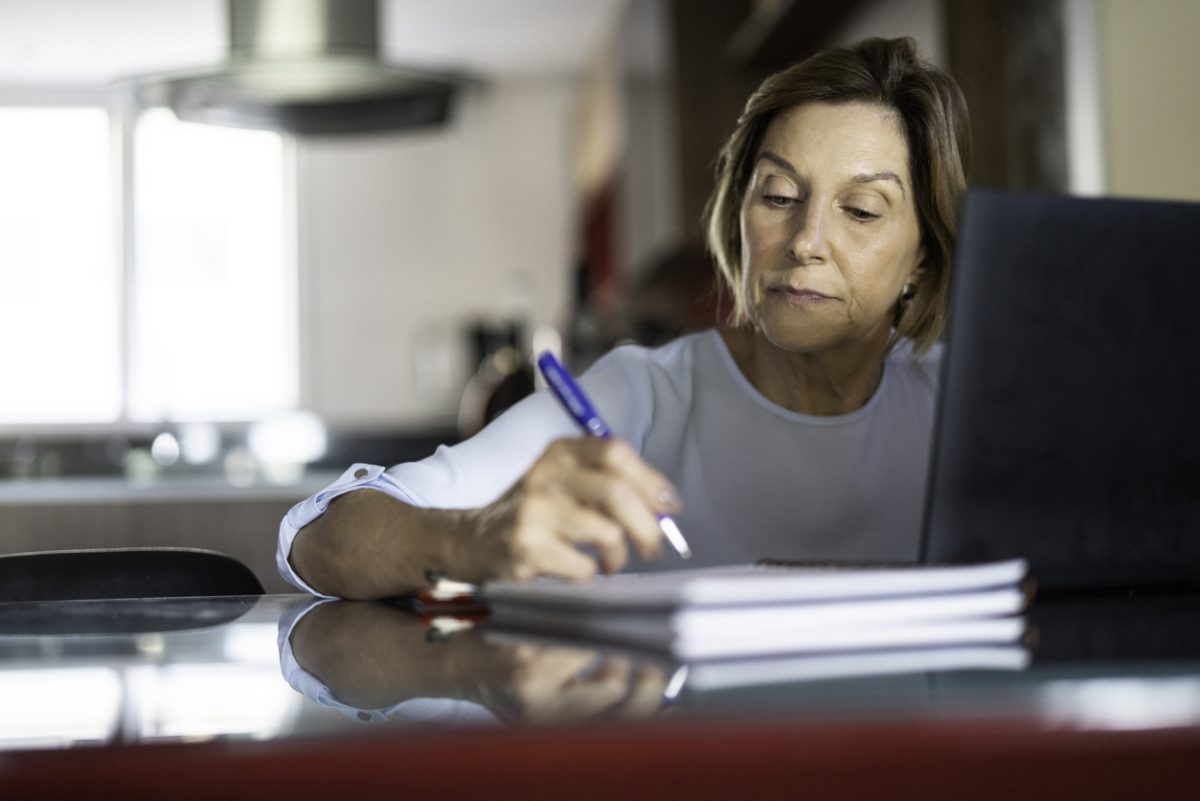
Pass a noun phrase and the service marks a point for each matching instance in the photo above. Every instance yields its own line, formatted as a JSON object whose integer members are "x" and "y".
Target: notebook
{"x": 1068, "y": 430}
{"x": 755, "y": 610}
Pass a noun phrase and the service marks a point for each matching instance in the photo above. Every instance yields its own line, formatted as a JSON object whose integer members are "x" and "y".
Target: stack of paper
{"x": 752, "y": 611}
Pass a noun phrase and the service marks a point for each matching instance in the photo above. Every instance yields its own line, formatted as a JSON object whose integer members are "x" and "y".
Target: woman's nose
{"x": 808, "y": 241}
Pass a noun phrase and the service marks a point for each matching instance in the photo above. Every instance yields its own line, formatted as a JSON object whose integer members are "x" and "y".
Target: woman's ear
{"x": 918, "y": 272}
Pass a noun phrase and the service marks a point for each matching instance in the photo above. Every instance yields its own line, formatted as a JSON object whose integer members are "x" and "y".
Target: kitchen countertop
{"x": 118, "y": 489}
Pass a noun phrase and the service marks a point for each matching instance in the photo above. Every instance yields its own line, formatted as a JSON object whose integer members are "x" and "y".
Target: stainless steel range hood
{"x": 306, "y": 67}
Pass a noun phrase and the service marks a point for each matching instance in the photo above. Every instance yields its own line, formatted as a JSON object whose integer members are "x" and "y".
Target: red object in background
{"x": 602, "y": 286}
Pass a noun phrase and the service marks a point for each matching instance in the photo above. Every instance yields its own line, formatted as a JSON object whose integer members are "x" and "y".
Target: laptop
{"x": 1069, "y": 417}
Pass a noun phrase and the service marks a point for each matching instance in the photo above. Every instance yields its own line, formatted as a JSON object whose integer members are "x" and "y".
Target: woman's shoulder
{"x": 649, "y": 380}
{"x": 673, "y": 359}
{"x": 636, "y": 384}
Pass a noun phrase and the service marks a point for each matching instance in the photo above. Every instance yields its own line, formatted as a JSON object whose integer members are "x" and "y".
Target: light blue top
{"x": 756, "y": 479}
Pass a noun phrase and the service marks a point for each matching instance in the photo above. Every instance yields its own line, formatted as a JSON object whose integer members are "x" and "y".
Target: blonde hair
{"x": 933, "y": 114}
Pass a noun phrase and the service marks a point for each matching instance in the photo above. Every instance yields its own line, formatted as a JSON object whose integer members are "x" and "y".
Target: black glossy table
{"x": 190, "y": 699}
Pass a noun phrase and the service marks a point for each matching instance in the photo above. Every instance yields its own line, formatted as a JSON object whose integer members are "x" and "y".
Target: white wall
{"x": 405, "y": 239}
{"x": 1149, "y": 68}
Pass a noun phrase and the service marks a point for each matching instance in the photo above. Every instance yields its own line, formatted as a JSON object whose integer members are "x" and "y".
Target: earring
{"x": 908, "y": 293}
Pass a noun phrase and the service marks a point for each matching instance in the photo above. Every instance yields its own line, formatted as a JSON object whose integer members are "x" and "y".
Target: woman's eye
{"x": 779, "y": 201}
{"x": 861, "y": 214}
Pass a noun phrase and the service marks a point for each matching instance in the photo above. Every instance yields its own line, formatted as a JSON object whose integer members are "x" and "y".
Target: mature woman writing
{"x": 800, "y": 430}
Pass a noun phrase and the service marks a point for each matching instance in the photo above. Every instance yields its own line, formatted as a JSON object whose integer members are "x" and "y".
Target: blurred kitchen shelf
{"x": 28, "y": 492}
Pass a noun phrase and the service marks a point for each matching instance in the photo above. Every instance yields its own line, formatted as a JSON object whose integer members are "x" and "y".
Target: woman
{"x": 800, "y": 430}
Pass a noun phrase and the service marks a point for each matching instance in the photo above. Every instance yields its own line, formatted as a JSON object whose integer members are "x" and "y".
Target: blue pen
{"x": 571, "y": 396}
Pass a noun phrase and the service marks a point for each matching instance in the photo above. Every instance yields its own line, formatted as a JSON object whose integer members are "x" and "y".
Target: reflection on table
{"x": 285, "y": 672}
{"x": 375, "y": 661}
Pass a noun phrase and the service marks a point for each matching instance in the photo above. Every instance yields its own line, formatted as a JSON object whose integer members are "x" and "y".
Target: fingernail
{"x": 668, "y": 498}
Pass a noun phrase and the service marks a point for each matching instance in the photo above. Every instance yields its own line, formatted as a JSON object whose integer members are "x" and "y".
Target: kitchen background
{"x": 199, "y": 325}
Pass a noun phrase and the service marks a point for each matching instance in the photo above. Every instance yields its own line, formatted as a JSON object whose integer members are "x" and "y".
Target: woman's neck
{"x": 821, "y": 384}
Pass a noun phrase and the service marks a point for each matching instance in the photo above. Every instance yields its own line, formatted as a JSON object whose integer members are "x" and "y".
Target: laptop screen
{"x": 1069, "y": 416}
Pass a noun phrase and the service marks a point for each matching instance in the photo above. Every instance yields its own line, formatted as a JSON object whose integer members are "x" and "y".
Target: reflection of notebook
{"x": 730, "y": 674}
{"x": 1069, "y": 425}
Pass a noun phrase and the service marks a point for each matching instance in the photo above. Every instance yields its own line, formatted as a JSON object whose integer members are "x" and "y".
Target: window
{"x": 214, "y": 329}
{"x": 200, "y": 326}
{"x": 60, "y": 336}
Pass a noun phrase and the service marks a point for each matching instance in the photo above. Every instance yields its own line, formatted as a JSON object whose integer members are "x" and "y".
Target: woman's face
{"x": 829, "y": 227}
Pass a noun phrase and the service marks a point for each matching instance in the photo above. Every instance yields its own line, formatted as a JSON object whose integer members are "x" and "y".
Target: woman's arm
{"x": 370, "y": 545}
{"x": 573, "y": 512}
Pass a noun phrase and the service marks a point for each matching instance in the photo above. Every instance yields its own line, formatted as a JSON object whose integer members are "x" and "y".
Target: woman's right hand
{"x": 575, "y": 511}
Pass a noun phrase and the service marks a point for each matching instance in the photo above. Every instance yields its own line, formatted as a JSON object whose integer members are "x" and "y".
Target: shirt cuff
{"x": 358, "y": 476}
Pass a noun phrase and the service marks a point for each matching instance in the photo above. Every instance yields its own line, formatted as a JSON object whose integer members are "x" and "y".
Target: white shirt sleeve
{"x": 359, "y": 476}
{"x": 478, "y": 470}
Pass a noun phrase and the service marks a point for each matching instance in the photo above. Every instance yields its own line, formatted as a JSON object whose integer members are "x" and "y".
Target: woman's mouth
{"x": 800, "y": 295}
